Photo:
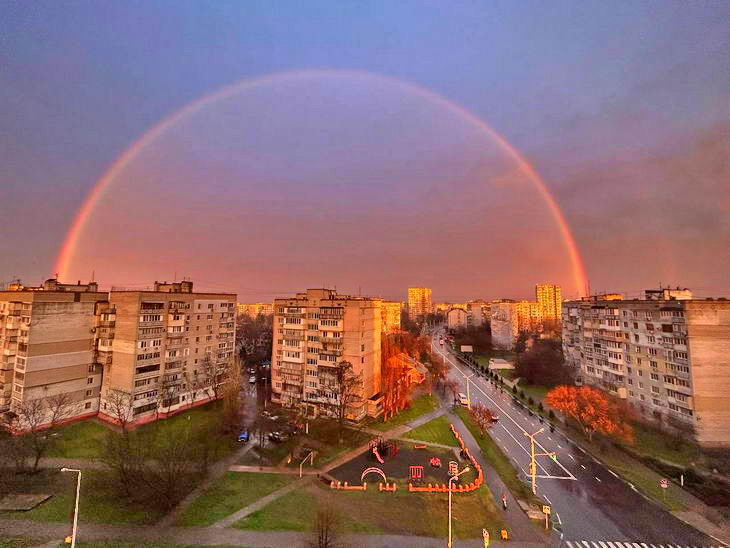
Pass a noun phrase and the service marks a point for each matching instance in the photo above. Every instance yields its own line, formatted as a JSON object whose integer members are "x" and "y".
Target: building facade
{"x": 165, "y": 349}
{"x": 549, "y": 298}
{"x": 456, "y": 318}
{"x": 390, "y": 316}
{"x": 313, "y": 333}
{"x": 253, "y": 310}
{"x": 47, "y": 340}
{"x": 667, "y": 354}
{"x": 419, "y": 302}
{"x": 478, "y": 313}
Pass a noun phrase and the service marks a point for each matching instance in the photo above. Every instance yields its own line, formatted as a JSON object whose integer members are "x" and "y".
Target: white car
{"x": 462, "y": 399}
{"x": 252, "y": 379}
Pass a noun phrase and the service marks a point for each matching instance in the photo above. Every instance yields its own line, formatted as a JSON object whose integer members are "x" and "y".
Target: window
{"x": 88, "y": 393}
{"x": 655, "y": 389}
{"x": 87, "y": 405}
{"x": 90, "y": 380}
{"x": 654, "y": 377}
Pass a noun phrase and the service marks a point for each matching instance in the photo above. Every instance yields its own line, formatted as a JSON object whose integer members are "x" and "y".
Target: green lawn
{"x": 326, "y": 440}
{"x": 508, "y": 374}
{"x": 498, "y": 460}
{"x": 84, "y": 439}
{"x": 419, "y": 406}
{"x": 98, "y": 502}
{"x": 435, "y": 431}
{"x": 18, "y": 542}
{"x": 374, "y": 512}
{"x": 652, "y": 443}
{"x": 537, "y": 392}
{"x": 139, "y": 544}
{"x": 233, "y": 491}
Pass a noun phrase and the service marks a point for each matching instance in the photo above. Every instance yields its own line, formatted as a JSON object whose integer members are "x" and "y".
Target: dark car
{"x": 278, "y": 437}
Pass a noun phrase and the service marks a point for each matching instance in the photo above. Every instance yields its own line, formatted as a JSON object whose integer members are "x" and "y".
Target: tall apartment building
{"x": 419, "y": 302}
{"x": 390, "y": 316}
{"x": 47, "y": 336}
{"x": 478, "y": 313}
{"x": 313, "y": 333}
{"x": 508, "y": 318}
{"x": 253, "y": 310}
{"x": 456, "y": 318}
{"x": 667, "y": 354}
{"x": 164, "y": 347}
{"x": 549, "y": 297}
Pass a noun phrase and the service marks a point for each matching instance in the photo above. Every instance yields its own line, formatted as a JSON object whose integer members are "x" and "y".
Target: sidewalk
{"x": 235, "y": 537}
{"x": 520, "y": 525}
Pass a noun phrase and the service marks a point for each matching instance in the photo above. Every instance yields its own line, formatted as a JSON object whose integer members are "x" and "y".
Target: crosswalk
{"x": 622, "y": 544}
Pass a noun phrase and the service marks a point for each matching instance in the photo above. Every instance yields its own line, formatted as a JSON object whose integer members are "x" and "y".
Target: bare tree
{"x": 213, "y": 373}
{"x": 232, "y": 411}
{"x": 37, "y": 420}
{"x": 347, "y": 387}
{"x": 326, "y": 532}
{"x": 120, "y": 453}
{"x": 119, "y": 406}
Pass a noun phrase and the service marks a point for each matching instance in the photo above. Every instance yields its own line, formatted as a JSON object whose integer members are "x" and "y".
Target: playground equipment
{"x": 435, "y": 462}
{"x": 373, "y": 470}
{"x": 382, "y": 449}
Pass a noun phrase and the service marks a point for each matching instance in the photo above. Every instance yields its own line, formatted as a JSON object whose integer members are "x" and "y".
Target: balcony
{"x": 179, "y": 306}
{"x": 334, "y": 315}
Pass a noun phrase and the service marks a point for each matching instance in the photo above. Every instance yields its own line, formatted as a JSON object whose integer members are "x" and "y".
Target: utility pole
{"x": 533, "y": 462}
{"x": 76, "y": 505}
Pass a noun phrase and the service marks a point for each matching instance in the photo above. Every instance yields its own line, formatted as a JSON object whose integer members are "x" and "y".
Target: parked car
{"x": 252, "y": 379}
{"x": 495, "y": 418}
{"x": 462, "y": 399}
{"x": 243, "y": 436}
{"x": 278, "y": 437}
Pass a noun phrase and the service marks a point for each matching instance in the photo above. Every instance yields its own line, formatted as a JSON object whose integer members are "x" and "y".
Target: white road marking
{"x": 560, "y": 446}
{"x": 613, "y": 473}
{"x": 551, "y": 439}
{"x": 610, "y": 544}
{"x": 505, "y": 413}
{"x": 603, "y": 545}
{"x": 597, "y": 478}
{"x": 583, "y": 466}
{"x": 559, "y": 520}
{"x": 570, "y": 544}
{"x": 547, "y": 499}
{"x": 571, "y": 456}
{"x": 586, "y": 544}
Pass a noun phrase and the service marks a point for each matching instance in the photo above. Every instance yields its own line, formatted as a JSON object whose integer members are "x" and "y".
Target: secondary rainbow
{"x": 70, "y": 243}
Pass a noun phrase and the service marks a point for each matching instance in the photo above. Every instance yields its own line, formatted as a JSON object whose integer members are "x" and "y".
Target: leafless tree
{"x": 347, "y": 387}
{"x": 37, "y": 420}
{"x": 326, "y": 532}
{"x": 483, "y": 417}
{"x": 120, "y": 452}
{"x": 232, "y": 411}
{"x": 213, "y": 373}
{"x": 119, "y": 406}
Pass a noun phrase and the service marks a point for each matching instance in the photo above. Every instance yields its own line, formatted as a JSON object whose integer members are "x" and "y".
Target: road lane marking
{"x": 610, "y": 545}
{"x": 560, "y": 446}
{"x": 583, "y": 466}
{"x": 547, "y": 499}
{"x": 597, "y": 478}
{"x": 586, "y": 544}
{"x": 613, "y": 473}
{"x": 570, "y": 544}
{"x": 603, "y": 545}
{"x": 570, "y": 475}
{"x": 560, "y": 521}
{"x": 571, "y": 456}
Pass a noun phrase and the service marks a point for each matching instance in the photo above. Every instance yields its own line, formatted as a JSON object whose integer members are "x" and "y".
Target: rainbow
{"x": 69, "y": 246}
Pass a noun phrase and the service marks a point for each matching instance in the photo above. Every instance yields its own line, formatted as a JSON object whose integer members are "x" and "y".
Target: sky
{"x": 359, "y": 164}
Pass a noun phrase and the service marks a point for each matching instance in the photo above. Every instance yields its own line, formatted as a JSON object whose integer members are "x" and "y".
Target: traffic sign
{"x": 664, "y": 484}
{"x": 545, "y": 509}
{"x": 485, "y": 536}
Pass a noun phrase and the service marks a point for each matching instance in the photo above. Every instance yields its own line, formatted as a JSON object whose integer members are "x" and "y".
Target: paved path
{"x": 215, "y": 472}
{"x": 518, "y": 522}
{"x": 260, "y": 503}
{"x": 230, "y": 536}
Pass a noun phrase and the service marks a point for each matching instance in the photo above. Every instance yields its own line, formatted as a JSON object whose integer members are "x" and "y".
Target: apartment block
{"x": 255, "y": 309}
{"x": 456, "y": 318}
{"x": 508, "y": 318}
{"x": 315, "y": 331}
{"x": 667, "y": 354}
{"x": 478, "y": 313}
{"x": 419, "y": 302}
{"x": 390, "y": 316}
{"x": 549, "y": 298}
{"x": 47, "y": 336}
{"x": 165, "y": 348}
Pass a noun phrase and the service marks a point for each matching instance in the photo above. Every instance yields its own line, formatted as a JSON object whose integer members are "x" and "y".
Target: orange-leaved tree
{"x": 593, "y": 410}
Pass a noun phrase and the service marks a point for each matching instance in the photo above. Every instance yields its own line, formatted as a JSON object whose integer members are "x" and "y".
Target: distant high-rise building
{"x": 667, "y": 354}
{"x": 549, "y": 297}
{"x": 456, "y": 318}
{"x": 478, "y": 313}
{"x": 419, "y": 302}
{"x": 253, "y": 310}
{"x": 313, "y": 333}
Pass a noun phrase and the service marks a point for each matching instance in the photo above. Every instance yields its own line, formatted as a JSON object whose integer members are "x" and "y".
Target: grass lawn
{"x": 374, "y": 512}
{"x": 84, "y": 439}
{"x": 498, "y": 460}
{"x": 537, "y": 392}
{"x": 99, "y": 503}
{"x": 652, "y": 443}
{"x": 17, "y": 542}
{"x": 419, "y": 406}
{"x": 233, "y": 491}
{"x": 325, "y": 435}
{"x": 434, "y": 431}
{"x": 139, "y": 544}
{"x": 508, "y": 374}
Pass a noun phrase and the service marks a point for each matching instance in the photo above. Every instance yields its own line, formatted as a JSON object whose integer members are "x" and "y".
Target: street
{"x": 589, "y": 502}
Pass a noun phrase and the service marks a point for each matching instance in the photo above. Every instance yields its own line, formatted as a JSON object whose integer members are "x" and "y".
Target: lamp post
{"x": 76, "y": 506}
{"x": 452, "y": 478}
{"x": 468, "y": 392}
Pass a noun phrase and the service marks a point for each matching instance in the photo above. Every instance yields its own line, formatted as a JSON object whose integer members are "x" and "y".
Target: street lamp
{"x": 452, "y": 478}
{"x": 76, "y": 506}
{"x": 468, "y": 392}
{"x": 533, "y": 463}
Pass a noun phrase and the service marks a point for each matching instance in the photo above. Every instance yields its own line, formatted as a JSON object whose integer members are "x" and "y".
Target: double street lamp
{"x": 451, "y": 479}
{"x": 76, "y": 505}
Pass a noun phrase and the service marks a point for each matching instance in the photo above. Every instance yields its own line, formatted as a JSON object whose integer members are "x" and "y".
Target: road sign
{"x": 664, "y": 484}
{"x": 485, "y": 536}
{"x": 545, "y": 509}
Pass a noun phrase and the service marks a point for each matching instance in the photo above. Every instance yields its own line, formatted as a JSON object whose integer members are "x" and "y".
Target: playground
{"x": 403, "y": 462}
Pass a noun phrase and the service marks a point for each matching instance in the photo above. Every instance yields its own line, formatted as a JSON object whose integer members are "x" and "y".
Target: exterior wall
{"x": 505, "y": 325}
{"x": 668, "y": 358}
{"x": 456, "y": 318}
{"x": 478, "y": 313}
{"x": 419, "y": 302}
{"x": 549, "y": 297}
{"x": 253, "y": 310}
{"x": 391, "y": 312}
{"x": 314, "y": 332}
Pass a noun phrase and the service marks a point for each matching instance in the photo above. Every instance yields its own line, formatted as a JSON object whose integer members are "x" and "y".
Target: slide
{"x": 377, "y": 455}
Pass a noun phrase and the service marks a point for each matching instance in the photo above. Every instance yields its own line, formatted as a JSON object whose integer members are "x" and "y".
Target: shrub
{"x": 530, "y": 400}
{"x": 514, "y": 389}
{"x": 551, "y": 414}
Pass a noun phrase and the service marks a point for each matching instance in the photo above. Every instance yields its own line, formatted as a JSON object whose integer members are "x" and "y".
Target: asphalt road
{"x": 589, "y": 501}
